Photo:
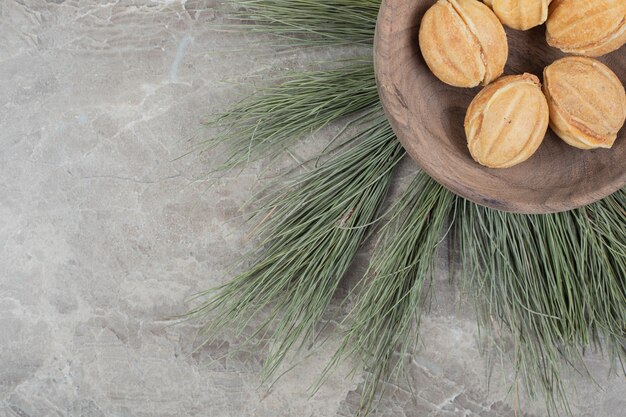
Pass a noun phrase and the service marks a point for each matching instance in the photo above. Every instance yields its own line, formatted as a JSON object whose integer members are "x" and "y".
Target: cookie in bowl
{"x": 587, "y": 27}
{"x": 520, "y": 14}
{"x": 587, "y": 102}
{"x": 506, "y": 122}
{"x": 463, "y": 43}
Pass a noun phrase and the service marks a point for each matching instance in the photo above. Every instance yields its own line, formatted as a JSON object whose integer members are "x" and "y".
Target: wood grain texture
{"x": 427, "y": 116}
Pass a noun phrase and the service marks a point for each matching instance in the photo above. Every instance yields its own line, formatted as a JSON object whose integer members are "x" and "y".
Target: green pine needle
{"x": 385, "y": 319}
{"x": 557, "y": 282}
{"x": 269, "y": 121}
{"x": 313, "y": 229}
{"x": 311, "y": 22}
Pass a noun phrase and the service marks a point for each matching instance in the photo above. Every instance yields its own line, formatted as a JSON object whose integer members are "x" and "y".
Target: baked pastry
{"x": 587, "y": 102}
{"x": 463, "y": 43}
{"x": 507, "y": 121}
{"x": 520, "y": 14}
{"x": 587, "y": 27}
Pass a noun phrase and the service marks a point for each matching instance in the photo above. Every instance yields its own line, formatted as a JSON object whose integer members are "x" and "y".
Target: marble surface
{"x": 105, "y": 231}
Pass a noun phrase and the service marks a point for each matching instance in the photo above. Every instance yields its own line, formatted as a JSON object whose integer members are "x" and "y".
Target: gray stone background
{"x": 104, "y": 233}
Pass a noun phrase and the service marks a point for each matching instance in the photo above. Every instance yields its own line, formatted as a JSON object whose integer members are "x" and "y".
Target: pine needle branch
{"x": 310, "y": 239}
{"x": 267, "y": 122}
{"x": 311, "y": 22}
{"x": 385, "y": 319}
{"x": 557, "y": 282}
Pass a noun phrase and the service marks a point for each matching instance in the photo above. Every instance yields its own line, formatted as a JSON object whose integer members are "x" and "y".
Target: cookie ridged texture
{"x": 507, "y": 121}
{"x": 521, "y": 14}
{"x": 587, "y": 27}
{"x": 587, "y": 102}
{"x": 463, "y": 43}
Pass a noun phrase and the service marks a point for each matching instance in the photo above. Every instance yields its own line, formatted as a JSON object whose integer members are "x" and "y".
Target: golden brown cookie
{"x": 587, "y": 102}
{"x": 463, "y": 43}
{"x": 587, "y": 27}
{"x": 507, "y": 121}
{"x": 520, "y": 14}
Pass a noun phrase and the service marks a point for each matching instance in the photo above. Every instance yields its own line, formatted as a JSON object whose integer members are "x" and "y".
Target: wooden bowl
{"x": 427, "y": 116}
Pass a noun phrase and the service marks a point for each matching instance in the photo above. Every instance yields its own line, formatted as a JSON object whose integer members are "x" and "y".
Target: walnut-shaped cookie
{"x": 507, "y": 121}
{"x": 463, "y": 43}
{"x": 587, "y": 27}
{"x": 587, "y": 102}
{"x": 520, "y": 14}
